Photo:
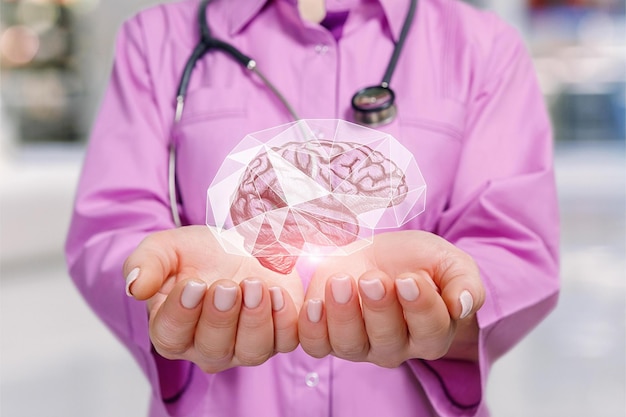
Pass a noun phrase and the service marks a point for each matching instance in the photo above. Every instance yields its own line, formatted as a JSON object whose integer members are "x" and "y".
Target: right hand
{"x": 209, "y": 307}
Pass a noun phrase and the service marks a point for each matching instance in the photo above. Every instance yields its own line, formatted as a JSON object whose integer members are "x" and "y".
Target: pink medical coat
{"x": 469, "y": 109}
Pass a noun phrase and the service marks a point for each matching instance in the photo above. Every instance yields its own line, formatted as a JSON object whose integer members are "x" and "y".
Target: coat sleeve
{"x": 121, "y": 197}
{"x": 503, "y": 212}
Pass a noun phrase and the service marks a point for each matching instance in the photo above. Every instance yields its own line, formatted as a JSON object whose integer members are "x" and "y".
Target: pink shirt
{"x": 468, "y": 108}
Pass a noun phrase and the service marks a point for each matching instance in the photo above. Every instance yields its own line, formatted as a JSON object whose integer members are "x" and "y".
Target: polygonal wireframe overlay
{"x": 312, "y": 187}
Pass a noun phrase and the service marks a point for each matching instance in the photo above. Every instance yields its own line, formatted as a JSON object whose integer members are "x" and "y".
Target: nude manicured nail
{"x": 314, "y": 310}
{"x": 130, "y": 278}
{"x": 224, "y": 297}
{"x": 252, "y": 293}
{"x": 407, "y": 288}
{"x": 192, "y": 294}
{"x": 372, "y": 288}
{"x": 341, "y": 288}
{"x": 278, "y": 301}
{"x": 467, "y": 302}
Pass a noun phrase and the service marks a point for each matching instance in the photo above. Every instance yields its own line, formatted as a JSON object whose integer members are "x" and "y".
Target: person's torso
{"x": 318, "y": 76}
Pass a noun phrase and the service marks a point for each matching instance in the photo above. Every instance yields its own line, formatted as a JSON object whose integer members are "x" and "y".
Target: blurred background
{"x": 57, "y": 359}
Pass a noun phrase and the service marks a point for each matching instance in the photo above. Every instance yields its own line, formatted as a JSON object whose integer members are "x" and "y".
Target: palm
{"x": 394, "y": 253}
{"x": 197, "y": 254}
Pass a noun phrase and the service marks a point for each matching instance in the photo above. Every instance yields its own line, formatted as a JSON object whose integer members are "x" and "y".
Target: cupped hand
{"x": 410, "y": 294}
{"x": 215, "y": 309}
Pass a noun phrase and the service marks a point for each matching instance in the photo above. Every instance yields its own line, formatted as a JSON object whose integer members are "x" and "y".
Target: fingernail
{"x": 341, "y": 288}
{"x": 277, "y": 298}
{"x": 224, "y": 297}
{"x": 407, "y": 288}
{"x": 130, "y": 278}
{"x": 192, "y": 294}
{"x": 372, "y": 288}
{"x": 252, "y": 293}
{"x": 467, "y": 302}
{"x": 314, "y": 310}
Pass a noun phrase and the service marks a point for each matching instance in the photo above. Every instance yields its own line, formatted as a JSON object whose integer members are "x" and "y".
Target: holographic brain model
{"x": 312, "y": 187}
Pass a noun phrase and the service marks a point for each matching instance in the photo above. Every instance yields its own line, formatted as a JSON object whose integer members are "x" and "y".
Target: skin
{"x": 386, "y": 330}
{"x": 312, "y": 10}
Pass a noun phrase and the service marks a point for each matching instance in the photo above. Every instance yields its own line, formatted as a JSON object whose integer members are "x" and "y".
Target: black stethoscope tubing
{"x": 406, "y": 26}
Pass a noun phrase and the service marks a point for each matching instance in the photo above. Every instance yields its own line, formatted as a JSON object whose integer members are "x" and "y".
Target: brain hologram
{"x": 313, "y": 187}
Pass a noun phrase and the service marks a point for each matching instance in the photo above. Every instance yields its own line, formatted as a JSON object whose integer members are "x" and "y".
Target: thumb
{"x": 150, "y": 265}
{"x": 460, "y": 284}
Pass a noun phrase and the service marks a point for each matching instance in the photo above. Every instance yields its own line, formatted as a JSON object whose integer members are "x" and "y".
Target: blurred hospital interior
{"x": 57, "y": 359}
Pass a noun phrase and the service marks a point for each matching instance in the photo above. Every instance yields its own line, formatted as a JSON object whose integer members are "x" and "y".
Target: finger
{"x": 217, "y": 326}
{"x": 346, "y": 329}
{"x": 427, "y": 318}
{"x": 173, "y": 327}
{"x": 154, "y": 303}
{"x": 255, "y": 332}
{"x": 384, "y": 319}
{"x": 285, "y": 318}
{"x": 149, "y": 265}
{"x": 460, "y": 284}
{"x": 312, "y": 330}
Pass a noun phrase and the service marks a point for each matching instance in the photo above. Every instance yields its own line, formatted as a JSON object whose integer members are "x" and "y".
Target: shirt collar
{"x": 240, "y": 13}
{"x": 396, "y": 12}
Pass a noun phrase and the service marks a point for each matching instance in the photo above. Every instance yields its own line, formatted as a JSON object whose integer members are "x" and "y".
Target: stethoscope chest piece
{"x": 374, "y": 106}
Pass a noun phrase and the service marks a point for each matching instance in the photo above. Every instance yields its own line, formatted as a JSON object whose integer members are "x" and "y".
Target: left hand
{"x": 215, "y": 309}
{"x": 410, "y": 294}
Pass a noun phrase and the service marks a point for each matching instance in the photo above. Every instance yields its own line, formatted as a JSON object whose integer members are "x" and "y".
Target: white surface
{"x": 36, "y": 194}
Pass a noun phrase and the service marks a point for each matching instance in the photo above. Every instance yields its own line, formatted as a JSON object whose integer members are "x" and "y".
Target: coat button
{"x": 321, "y": 49}
{"x": 312, "y": 379}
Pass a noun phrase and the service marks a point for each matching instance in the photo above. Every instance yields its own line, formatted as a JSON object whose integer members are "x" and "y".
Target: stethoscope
{"x": 372, "y": 106}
